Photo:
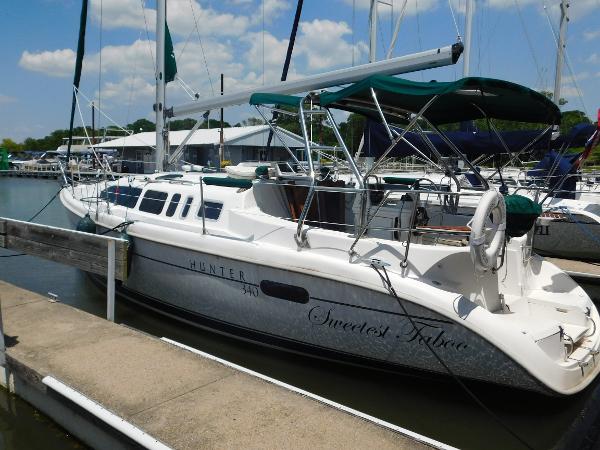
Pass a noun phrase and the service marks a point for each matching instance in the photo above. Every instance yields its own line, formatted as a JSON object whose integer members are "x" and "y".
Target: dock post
{"x": 110, "y": 282}
{"x": 2, "y": 346}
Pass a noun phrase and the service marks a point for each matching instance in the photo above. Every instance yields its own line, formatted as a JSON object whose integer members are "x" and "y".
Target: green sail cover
{"x": 459, "y": 100}
{"x": 274, "y": 99}
{"x": 521, "y": 214}
{"x": 170, "y": 64}
{"x": 227, "y": 182}
{"x": 518, "y": 204}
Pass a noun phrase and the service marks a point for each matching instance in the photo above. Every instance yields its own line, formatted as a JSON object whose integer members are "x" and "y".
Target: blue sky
{"x": 512, "y": 39}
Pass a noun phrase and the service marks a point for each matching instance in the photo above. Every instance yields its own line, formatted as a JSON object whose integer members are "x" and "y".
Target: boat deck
{"x": 181, "y": 399}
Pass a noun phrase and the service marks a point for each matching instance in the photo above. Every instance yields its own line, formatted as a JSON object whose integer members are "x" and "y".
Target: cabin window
{"x": 212, "y": 210}
{"x": 153, "y": 202}
{"x": 173, "y": 205}
{"x": 121, "y": 195}
{"x": 186, "y": 207}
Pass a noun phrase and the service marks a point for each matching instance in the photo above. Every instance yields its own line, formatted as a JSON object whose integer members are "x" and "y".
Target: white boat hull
{"x": 339, "y": 321}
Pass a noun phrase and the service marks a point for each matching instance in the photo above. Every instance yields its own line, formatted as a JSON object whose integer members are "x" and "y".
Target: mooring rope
{"x": 388, "y": 283}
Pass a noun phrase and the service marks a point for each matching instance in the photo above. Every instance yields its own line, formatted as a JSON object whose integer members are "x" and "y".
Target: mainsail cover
{"x": 78, "y": 65}
{"x": 170, "y": 64}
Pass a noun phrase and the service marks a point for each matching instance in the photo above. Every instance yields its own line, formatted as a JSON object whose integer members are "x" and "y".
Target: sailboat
{"x": 283, "y": 260}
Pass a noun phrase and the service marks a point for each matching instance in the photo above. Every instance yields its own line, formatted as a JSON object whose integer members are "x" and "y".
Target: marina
{"x": 397, "y": 251}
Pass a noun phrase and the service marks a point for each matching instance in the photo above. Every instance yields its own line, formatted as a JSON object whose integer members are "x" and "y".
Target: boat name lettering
{"x": 411, "y": 332}
{"x": 436, "y": 337}
{"x": 317, "y": 316}
{"x": 218, "y": 270}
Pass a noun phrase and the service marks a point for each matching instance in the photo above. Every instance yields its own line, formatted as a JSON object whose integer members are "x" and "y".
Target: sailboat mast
{"x": 373, "y": 31}
{"x": 560, "y": 50}
{"x": 161, "y": 135}
{"x": 468, "y": 27}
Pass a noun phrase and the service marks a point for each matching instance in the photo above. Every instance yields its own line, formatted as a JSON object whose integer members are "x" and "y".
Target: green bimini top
{"x": 459, "y": 100}
{"x": 275, "y": 99}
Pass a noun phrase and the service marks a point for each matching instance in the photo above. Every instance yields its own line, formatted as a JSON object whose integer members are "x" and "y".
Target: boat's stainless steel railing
{"x": 202, "y": 207}
{"x": 360, "y": 229}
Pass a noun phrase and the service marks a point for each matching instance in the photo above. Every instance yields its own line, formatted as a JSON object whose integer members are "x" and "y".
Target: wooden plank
{"x": 90, "y": 263}
{"x": 2, "y": 226}
{"x": 2, "y": 241}
{"x": 59, "y": 237}
{"x": 581, "y": 269}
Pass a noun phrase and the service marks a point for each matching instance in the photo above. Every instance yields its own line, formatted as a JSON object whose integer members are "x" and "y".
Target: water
{"x": 435, "y": 407}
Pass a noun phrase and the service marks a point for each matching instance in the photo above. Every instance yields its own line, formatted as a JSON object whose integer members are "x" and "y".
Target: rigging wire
{"x": 100, "y": 63}
{"x": 110, "y": 119}
{"x": 142, "y": 3}
{"x": 132, "y": 84}
{"x": 353, "y": 32}
{"x": 388, "y": 285}
{"x": 419, "y": 34}
{"x": 529, "y": 43}
{"x": 453, "y": 18}
{"x": 397, "y": 30}
{"x": 212, "y": 88}
{"x": 89, "y": 139}
{"x": 567, "y": 60}
{"x": 263, "y": 42}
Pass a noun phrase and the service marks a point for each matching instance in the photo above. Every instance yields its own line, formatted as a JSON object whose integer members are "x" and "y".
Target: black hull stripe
{"x": 384, "y": 312}
{"x": 312, "y": 298}
{"x": 261, "y": 337}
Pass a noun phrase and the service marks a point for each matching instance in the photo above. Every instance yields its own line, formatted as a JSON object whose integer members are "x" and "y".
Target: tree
{"x": 250, "y": 122}
{"x": 571, "y": 118}
{"x": 182, "y": 124}
{"x": 214, "y": 123}
{"x": 10, "y": 145}
{"x": 141, "y": 125}
{"x": 549, "y": 95}
{"x": 352, "y": 131}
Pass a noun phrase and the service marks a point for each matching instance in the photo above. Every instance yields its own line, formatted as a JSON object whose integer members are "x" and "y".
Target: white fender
{"x": 485, "y": 247}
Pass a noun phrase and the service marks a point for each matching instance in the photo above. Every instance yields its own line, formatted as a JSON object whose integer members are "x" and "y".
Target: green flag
{"x": 170, "y": 64}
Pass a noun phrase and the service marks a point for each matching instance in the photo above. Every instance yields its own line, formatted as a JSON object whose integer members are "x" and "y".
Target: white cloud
{"x": 589, "y": 35}
{"x": 322, "y": 43}
{"x": 126, "y": 90}
{"x": 135, "y": 58}
{"x": 270, "y": 10}
{"x": 57, "y": 63}
{"x": 501, "y": 4}
{"x": 577, "y": 77}
{"x": 581, "y": 8}
{"x": 412, "y": 7}
{"x": 6, "y": 99}
{"x": 122, "y": 14}
{"x": 180, "y": 17}
{"x": 594, "y": 58}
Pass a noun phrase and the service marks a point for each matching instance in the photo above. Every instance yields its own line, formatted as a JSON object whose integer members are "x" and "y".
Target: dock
{"x": 578, "y": 269}
{"x": 115, "y": 387}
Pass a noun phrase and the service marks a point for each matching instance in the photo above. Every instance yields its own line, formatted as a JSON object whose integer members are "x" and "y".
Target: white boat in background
{"x": 246, "y": 170}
